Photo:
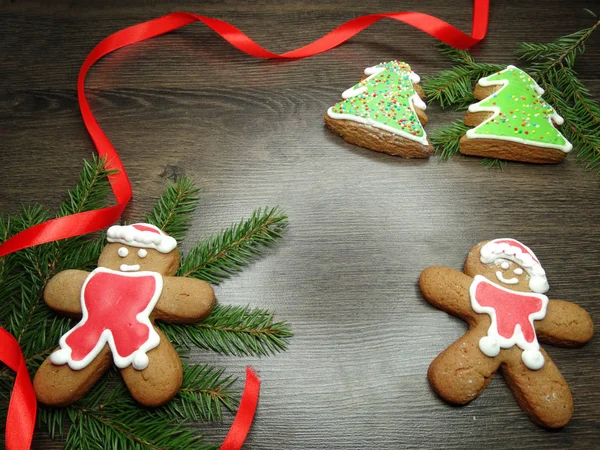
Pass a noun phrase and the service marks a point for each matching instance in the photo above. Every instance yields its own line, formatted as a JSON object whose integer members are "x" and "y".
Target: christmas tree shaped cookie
{"x": 384, "y": 112}
{"x": 512, "y": 121}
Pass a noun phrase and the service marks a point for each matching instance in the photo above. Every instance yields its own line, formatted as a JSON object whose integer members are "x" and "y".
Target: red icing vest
{"x": 116, "y": 308}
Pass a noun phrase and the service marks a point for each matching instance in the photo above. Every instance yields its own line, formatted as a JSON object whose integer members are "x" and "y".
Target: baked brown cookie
{"x": 118, "y": 302}
{"x": 512, "y": 121}
{"x": 500, "y": 296}
{"x": 383, "y": 112}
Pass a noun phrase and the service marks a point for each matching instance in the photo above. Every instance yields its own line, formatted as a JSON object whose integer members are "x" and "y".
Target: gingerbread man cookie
{"x": 501, "y": 297}
{"x": 118, "y": 302}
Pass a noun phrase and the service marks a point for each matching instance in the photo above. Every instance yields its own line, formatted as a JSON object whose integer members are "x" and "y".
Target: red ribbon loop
{"x": 22, "y": 408}
{"x": 20, "y": 419}
{"x": 245, "y": 415}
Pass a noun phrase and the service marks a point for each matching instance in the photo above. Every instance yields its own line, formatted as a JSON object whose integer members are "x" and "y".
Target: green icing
{"x": 524, "y": 116}
{"x": 385, "y": 102}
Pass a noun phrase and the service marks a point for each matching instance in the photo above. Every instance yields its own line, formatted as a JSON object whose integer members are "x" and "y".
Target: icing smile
{"x": 513, "y": 280}
{"x": 128, "y": 268}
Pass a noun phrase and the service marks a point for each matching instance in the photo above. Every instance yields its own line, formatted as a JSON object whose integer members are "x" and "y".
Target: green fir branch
{"x": 108, "y": 418}
{"x": 226, "y": 253}
{"x": 446, "y": 140}
{"x": 493, "y": 163}
{"x": 91, "y": 190}
{"x": 455, "y": 85}
{"x": 204, "y": 394}
{"x": 173, "y": 211}
{"x": 233, "y": 330}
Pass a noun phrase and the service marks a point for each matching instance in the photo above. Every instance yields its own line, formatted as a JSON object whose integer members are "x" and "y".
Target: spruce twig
{"x": 226, "y": 253}
{"x": 446, "y": 140}
{"x": 173, "y": 211}
{"x": 233, "y": 330}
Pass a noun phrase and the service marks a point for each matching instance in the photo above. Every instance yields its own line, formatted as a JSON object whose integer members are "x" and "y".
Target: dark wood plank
{"x": 363, "y": 225}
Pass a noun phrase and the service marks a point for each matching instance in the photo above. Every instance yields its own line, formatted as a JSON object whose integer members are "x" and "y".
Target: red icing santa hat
{"x": 513, "y": 250}
{"x": 141, "y": 235}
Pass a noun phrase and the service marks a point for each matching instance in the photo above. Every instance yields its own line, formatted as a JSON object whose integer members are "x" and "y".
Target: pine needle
{"x": 493, "y": 163}
{"x": 173, "y": 211}
{"x": 446, "y": 140}
{"x": 222, "y": 255}
{"x": 233, "y": 330}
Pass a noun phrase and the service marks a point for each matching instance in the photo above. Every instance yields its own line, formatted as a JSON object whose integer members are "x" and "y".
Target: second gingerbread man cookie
{"x": 118, "y": 302}
{"x": 501, "y": 296}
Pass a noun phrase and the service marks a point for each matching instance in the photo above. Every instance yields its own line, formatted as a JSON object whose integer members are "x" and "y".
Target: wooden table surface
{"x": 363, "y": 224}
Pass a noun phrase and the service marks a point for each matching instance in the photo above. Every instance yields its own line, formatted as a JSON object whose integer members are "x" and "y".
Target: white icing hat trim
{"x": 141, "y": 235}
{"x": 517, "y": 252}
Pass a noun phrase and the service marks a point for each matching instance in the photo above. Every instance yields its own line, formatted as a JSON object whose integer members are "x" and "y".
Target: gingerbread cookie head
{"x": 139, "y": 247}
{"x": 509, "y": 263}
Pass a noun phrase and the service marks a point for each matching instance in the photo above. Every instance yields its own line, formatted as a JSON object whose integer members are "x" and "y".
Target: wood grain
{"x": 363, "y": 225}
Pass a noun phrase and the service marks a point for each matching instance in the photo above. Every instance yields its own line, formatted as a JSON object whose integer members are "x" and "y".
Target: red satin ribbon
{"x": 90, "y": 221}
{"x": 245, "y": 415}
{"x": 20, "y": 419}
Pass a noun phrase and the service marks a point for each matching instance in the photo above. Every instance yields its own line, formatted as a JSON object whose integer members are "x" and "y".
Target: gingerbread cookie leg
{"x": 543, "y": 394}
{"x": 461, "y": 372}
{"x": 59, "y": 385}
{"x": 160, "y": 381}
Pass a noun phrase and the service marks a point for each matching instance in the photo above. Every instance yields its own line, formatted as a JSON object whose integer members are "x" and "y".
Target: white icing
{"x": 129, "y": 268}
{"x": 500, "y": 277}
{"x": 487, "y": 344}
{"x": 142, "y": 252}
{"x": 504, "y": 264}
{"x": 494, "y": 250}
{"x": 518, "y": 271}
{"x": 63, "y": 355}
{"x": 123, "y": 252}
{"x": 129, "y": 235}
{"x": 476, "y": 107}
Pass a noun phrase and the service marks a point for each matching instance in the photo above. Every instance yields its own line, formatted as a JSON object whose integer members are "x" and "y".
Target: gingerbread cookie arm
{"x": 184, "y": 300}
{"x": 160, "y": 381}
{"x": 448, "y": 289}
{"x": 63, "y": 292}
{"x": 56, "y": 385}
{"x": 565, "y": 325}
{"x": 543, "y": 394}
{"x": 462, "y": 372}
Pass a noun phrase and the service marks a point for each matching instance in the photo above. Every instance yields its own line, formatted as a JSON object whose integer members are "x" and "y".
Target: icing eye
{"x": 123, "y": 252}
{"x": 142, "y": 252}
{"x": 518, "y": 271}
{"x": 505, "y": 265}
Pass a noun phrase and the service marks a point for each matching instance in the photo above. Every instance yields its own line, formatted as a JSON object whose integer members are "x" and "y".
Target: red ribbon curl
{"x": 21, "y": 415}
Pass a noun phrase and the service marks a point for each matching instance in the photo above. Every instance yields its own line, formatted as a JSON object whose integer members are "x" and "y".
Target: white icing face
{"x": 142, "y": 252}
{"x": 123, "y": 252}
{"x": 128, "y": 268}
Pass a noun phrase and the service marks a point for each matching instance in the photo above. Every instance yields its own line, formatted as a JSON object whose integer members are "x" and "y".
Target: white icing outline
{"x": 138, "y": 358}
{"x": 476, "y": 107}
{"x": 488, "y": 344}
{"x": 412, "y": 101}
{"x": 128, "y": 235}
{"x": 496, "y": 250}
